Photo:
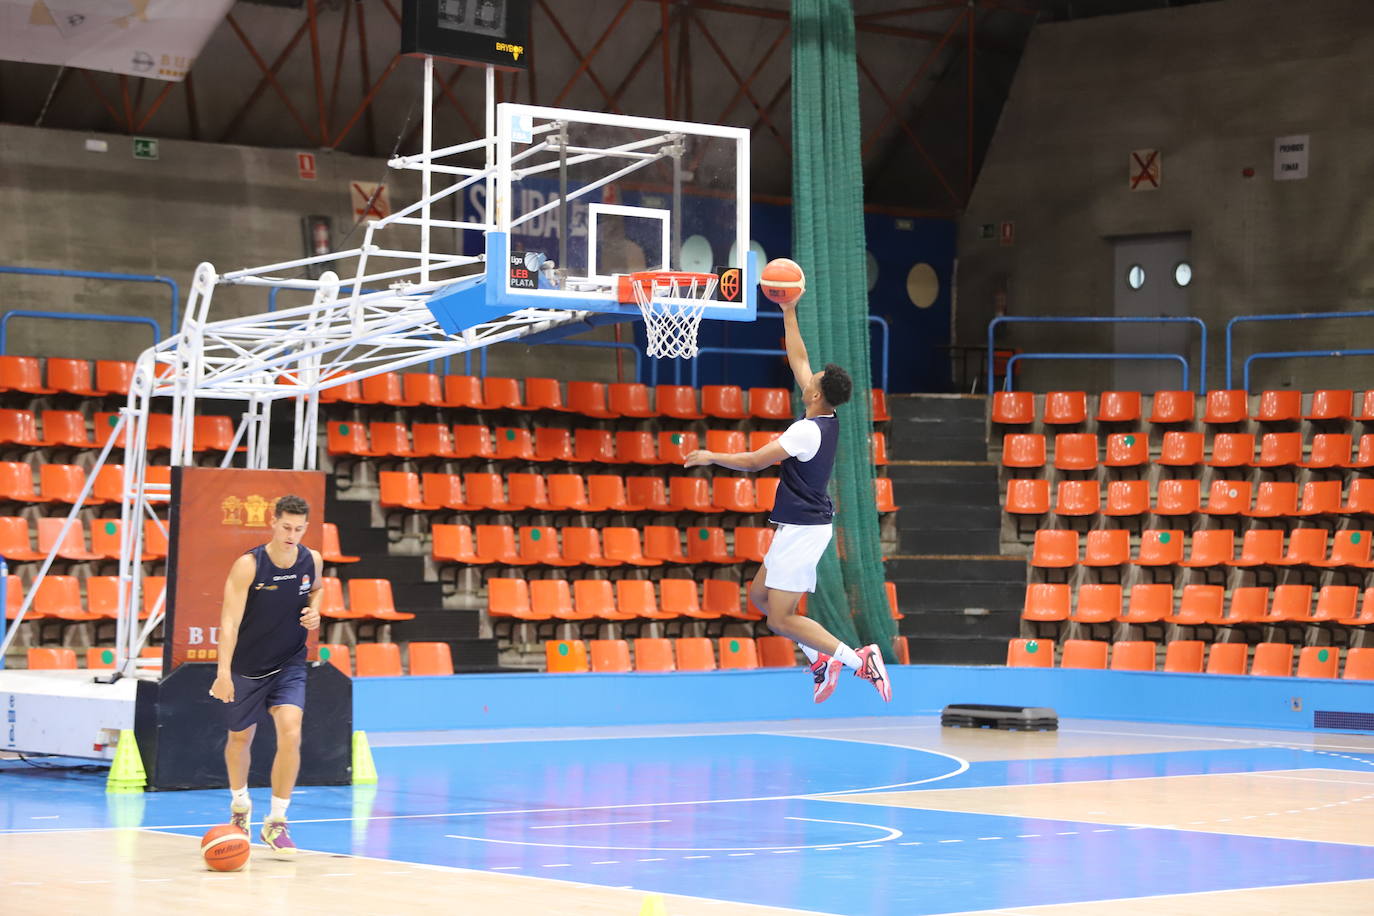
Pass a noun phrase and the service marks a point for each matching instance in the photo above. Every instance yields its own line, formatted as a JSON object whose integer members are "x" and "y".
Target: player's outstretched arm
{"x": 230, "y": 616}
{"x": 756, "y": 460}
{"x": 796, "y": 348}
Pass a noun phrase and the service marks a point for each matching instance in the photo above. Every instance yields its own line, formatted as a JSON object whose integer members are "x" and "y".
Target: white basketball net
{"x": 671, "y": 304}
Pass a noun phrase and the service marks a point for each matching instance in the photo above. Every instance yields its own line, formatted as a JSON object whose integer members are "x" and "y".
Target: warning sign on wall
{"x": 1145, "y": 170}
{"x": 305, "y": 166}
{"x": 1290, "y": 157}
{"x": 370, "y": 200}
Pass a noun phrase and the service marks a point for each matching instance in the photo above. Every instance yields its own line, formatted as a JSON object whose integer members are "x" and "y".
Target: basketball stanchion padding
{"x": 671, "y": 302}
{"x": 1008, "y": 718}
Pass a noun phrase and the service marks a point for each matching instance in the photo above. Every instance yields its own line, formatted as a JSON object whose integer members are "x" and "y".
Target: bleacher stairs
{"x": 961, "y": 597}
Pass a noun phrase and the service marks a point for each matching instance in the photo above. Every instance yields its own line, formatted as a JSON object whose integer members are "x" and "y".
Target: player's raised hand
{"x": 699, "y": 458}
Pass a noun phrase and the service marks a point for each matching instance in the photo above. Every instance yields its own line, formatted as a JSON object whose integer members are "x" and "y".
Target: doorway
{"x": 1153, "y": 277}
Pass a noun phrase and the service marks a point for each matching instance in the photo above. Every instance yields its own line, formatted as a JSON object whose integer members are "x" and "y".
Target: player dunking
{"x": 803, "y": 514}
{"x": 271, "y": 599}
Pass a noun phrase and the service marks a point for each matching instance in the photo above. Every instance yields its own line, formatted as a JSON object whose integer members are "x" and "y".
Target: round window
{"x": 1183, "y": 273}
{"x": 1135, "y": 276}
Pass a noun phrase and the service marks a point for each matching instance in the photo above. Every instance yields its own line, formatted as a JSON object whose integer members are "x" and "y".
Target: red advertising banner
{"x": 217, "y": 515}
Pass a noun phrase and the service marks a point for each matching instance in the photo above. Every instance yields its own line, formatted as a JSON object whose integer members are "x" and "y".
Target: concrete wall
{"x": 233, "y": 206}
{"x": 1211, "y": 86}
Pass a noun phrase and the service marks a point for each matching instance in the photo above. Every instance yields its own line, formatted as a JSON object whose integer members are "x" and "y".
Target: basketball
{"x": 783, "y": 280}
{"x": 225, "y": 848}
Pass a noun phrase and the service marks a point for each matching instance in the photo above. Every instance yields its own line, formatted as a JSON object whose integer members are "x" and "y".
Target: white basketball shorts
{"x": 791, "y": 559}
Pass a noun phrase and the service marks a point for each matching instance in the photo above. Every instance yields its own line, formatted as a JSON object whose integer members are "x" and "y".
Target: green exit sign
{"x": 145, "y": 148}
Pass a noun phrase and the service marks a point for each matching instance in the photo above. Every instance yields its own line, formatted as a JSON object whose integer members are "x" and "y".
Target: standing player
{"x": 803, "y": 514}
{"x": 271, "y": 599}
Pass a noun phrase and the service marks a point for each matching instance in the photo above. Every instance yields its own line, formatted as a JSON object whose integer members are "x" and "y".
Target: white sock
{"x": 848, "y": 656}
{"x": 239, "y": 798}
{"x": 810, "y": 653}
{"x": 278, "y": 808}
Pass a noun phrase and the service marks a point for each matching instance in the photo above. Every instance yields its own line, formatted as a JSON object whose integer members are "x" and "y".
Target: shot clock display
{"x": 495, "y": 32}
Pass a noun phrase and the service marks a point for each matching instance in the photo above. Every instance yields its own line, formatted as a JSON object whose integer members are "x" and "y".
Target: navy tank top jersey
{"x": 270, "y": 634}
{"x": 802, "y": 498}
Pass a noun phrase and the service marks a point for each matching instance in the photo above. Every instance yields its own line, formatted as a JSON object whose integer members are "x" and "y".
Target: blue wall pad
{"x": 534, "y": 700}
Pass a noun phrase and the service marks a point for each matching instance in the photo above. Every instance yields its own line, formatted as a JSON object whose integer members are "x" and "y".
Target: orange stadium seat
{"x": 71, "y": 376}
{"x": 606, "y": 493}
{"x": 583, "y": 546}
{"x": 430, "y": 658}
{"x": 879, "y": 443}
{"x": 776, "y": 652}
{"x": 1327, "y": 404}
{"x": 511, "y": 598}
{"x": 681, "y": 596}
{"x": 337, "y": 654}
{"x": 19, "y": 427}
{"x": 1359, "y": 500}
{"x": 539, "y": 546}
{"x": 1228, "y": 497}
{"x": 1359, "y": 664}
{"x": 51, "y": 659}
{"x": 1320, "y": 497}
{"x": 1133, "y": 656}
{"x": 1028, "y": 496}
{"x": 563, "y": 656}
{"x": 15, "y": 543}
{"x": 1273, "y": 659}
{"x": 1226, "y": 406}
{"x": 1184, "y": 656}
{"x": 159, "y": 432}
{"x": 1306, "y": 547}
{"x": 1013, "y": 408}
{"x": 73, "y": 546}
{"x": 738, "y": 652}
{"x": 1107, "y": 547}
{"x": 1118, "y": 407}
{"x": 16, "y": 483}
{"x": 1198, "y": 605}
{"x": 513, "y": 444}
{"x": 725, "y": 402}
{"x": 433, "y": 440}
{"x": 1160, "y": 548}
{"x": 1319, "y": 661}
{"x": 1211, "y": 548}
{"x": 1084, "y": 653}
{"x": 1150, "y": 602}
{"x": 734, "y": 494}
{"x": 472, "y": 442}
{"x": 1030, "y": 653}
{"x": 596, "y": 598}
{"x": 552, "y": 444}
{"x": 104, "y": 425}
{"x": 383, "y": 388}
{"x": 630, "y": 399}
{"x": 65, "y": 427}
{"x": 1278, "y": 450}
{"x": 372, "y": 597}
{"x": 1078, "y": 498}
{"x": 637, "y": 598}
{"x": 378, "y": 659}
{"x": 501, "y": 394}
{"x": 663, "y": 542}
{"x": 695, "y": 654}
{"x": 22, "y": 374}
{"x": 677, "y": 401}
{"x": 766, "y": 492}
{"x": 543, "y": 394}
{"x": 1260, "y": 547}
{"x": 1127, "y": 498}
{"x": 882, "y": 491}
{"x": 1290, "y": 604}
{"x": 1065, "y": 408}
{"x": 623, "y": 546}
{"x": 1126, "y": 450}
{"x": 421, "y": 389}
{"x": 1075, "y": 452}
{"x": 349, "y": 439}
{"x": 1336, "y": 604}
{"x": 1055, "y": 549}
{"x": 770, "y": 403}
{"x": 463, "y": 391}
{"x": 1181, "y": 450}
{"x": 1227, "y": 658}
{"x": 751, "y": 543}
{"x": 59, "y": 597}
{"x": 1178, "y": 497}
{"x": 722, "y": 598}
{"x": 496, "y": 544}
{"x": 707, "y": 545}
{"x": 690, "y": 494}
{"x": 1097, "y": 603}
{"x": 483, "y": 490}
{"x": 880, "y": 411}
{"x": 441, "y": 489}
{"x": 1279, "y": 406}
{"x": 1275, "y": 499}
{"x": 675, "y": 445}
{"x": 729, "y": 441}
{"x": 635, "y": 446}
{"x": 1249, "y": 606}
{"x": 113, "y": 376}
{"x": 654, "y": 655}
{"x": 1349, "y": 549}
{"x": 594, "y": 446}
{"x": 1046, "y": 602}
{"x": 1173, "y": 407}
{"x": 568, "y": 493}
{"x": 1232, "y": 450}
{"x": 589, "y": 400}
{"x": 610, "y": 655}
{"x": 1365, "y": 411}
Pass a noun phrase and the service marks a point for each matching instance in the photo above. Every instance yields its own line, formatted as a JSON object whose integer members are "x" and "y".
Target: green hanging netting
{"x": 828, "y": 241}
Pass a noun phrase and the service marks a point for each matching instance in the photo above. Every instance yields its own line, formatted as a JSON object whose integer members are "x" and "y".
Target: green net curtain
{"x": 828, "y": 241}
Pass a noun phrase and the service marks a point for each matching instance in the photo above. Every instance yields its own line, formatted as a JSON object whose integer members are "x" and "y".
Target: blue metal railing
{"x": 1006, "y": 385}
{"x": 1292, "y": 316}
{"x": 100, "y": 275}
{"x": 72, "y": 316}
{"x": 1293, "y": 354}
{"x": 1059, "y": 319}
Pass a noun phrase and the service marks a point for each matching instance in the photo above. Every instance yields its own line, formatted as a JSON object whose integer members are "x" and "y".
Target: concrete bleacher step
{"x": 940, "y": 427}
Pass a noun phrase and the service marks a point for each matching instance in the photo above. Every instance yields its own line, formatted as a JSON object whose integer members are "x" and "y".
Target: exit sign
{"x": 145, "y": 148}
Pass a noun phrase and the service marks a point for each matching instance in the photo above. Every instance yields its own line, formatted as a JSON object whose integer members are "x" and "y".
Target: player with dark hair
{"x": 271, "y": 599}
{"x": 803, "y": 514}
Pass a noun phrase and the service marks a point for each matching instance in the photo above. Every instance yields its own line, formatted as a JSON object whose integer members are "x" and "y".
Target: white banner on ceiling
{"x": 157, "y": 39}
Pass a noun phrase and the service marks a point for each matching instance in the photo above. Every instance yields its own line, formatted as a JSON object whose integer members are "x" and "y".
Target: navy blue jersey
{"x": 802, "y": 498}
{"x": 270, "y": 634}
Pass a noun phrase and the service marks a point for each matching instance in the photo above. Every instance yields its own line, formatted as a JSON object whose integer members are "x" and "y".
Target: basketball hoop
{"x": 671, "y": 302}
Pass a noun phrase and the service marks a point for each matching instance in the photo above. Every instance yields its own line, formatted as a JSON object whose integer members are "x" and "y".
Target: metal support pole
{"x": 425, "y": 172}
{"x": 564, "y": 210}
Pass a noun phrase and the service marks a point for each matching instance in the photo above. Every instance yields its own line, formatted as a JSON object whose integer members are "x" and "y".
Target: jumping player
{"x": 803, "y": 514}
{"x": 271, "y": 599}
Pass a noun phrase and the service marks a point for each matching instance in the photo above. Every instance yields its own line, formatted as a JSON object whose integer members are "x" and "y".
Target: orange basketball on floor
{"x": 783, "y": 281}
{"x": 225, "y": 848}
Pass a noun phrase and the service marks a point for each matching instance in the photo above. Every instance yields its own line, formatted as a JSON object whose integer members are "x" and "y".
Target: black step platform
{"x": 1010, "y": 718}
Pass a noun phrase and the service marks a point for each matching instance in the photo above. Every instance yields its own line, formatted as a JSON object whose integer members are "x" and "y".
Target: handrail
{"x": 1067, "y": 319}
{"x": 73, "y": 316}
{"x": 1174, "y": 356}
{"x": 884, "y": 351}
{"x": 1292, "y": 354}
{"x": 4, "y": 604}
{"x": 734, "y": 351}
{"x": 101, "y": 275}
{"x": 1290, "y": 316}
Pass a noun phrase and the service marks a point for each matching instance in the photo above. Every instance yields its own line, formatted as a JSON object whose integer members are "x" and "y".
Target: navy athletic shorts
{"x": 253, "y": 696}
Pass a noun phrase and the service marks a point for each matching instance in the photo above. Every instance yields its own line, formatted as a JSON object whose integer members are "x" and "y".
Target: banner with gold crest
{"x": 157, "y": 39}
{"x": 217, "y": 515}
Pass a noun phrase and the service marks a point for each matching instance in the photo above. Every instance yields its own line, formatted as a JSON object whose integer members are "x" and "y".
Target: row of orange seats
{"x": 62, "y": 483}
{"x": 624, "y": 599}
{"x": 1198, "y": 605}
{"x": 1128, "y": 498}
{"x": 368, "y": 599}
{"x": 590, "y": 399}
{"x": 24, "y": 374}
{"x": 67, "y": 599}
{"x": 1080, "y": 451}
{"x": 64, "y": 659}
{"x": 604, "y": 546}
{"x": 1068, "y": 408}
{"x": 686, "y": 654}
{"x": 374, "y": 659}
{"x": 513, "y": 443}
{"x": 16, "y": 545}
{"x": 1110, "y": 547}
{"x": 475, "y": 492}
{"x": 68, "y": 429}
{"x": 1272, "y": 659}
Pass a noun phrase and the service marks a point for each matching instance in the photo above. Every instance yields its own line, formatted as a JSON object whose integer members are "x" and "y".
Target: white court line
{"x": 1343, "y": 782}
{"x": 662, "y": 820}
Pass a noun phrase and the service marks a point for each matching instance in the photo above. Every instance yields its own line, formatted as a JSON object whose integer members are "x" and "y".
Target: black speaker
{"x": 181, "y": 733}
{"x": 495, "y": 32}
